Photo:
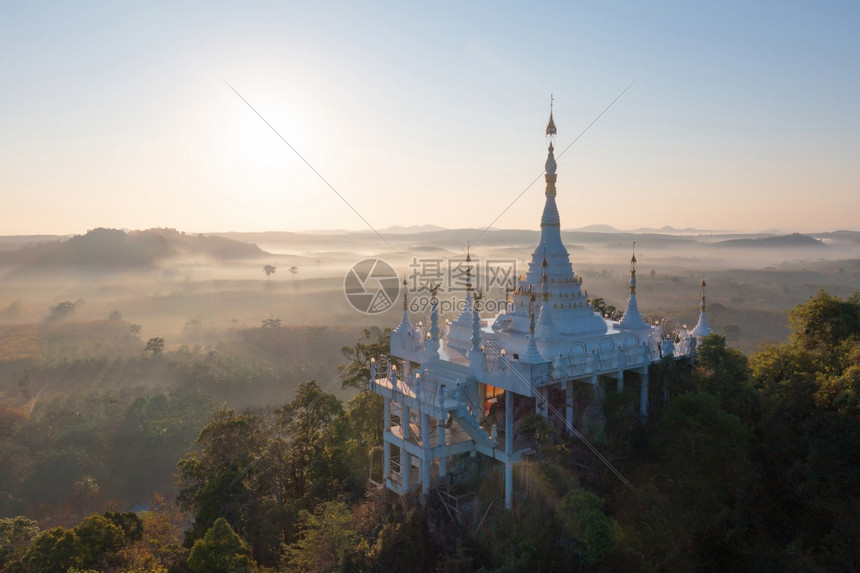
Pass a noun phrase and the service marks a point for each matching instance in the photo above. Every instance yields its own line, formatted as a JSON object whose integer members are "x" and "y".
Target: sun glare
{"x": 257, "y": 146}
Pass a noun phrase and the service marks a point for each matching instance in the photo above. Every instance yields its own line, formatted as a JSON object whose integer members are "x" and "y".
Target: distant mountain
{"x": 794, "y": 241}
{"x": 665, "y": 230}
{"x": 669, "y": 230}
{"x": 595, "y": 229}
{"x": 400, "y": 230}
{"x": 12, "y": 242}
{"x": 112, "y": 248}
{"x": 392, "y": 230}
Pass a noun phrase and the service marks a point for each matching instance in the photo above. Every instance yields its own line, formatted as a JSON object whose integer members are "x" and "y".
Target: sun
{"x": 257, "y": 146}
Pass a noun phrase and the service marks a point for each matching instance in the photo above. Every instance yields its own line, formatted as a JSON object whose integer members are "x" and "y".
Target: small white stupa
{"x": 702, "y": 329}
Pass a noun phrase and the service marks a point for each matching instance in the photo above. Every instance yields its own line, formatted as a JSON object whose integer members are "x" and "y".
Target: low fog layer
{"x": 196, "y": 289}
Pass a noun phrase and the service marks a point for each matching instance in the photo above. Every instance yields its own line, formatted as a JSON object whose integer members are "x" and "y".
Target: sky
{"x": 742, "y": 116}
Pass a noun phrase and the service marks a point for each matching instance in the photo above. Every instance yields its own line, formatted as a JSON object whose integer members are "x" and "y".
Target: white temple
{"x": 549, "y": 346}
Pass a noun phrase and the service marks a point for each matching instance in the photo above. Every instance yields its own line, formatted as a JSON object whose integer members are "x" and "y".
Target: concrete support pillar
{"x": 643, "y": 394}
{"x": 386, "y": 445}
{"x": 405, "y": 457}
{"x": 509, "y": 449}
{"x": 509, "y": 422}
{"x": 405, "y": 427}
{"x": 405, "y": 468}
{"x": 542, "y": 402}
{"x": 425, "y": 460}
{"x": 619, "y": 385}
{"x": 568, "y": 406}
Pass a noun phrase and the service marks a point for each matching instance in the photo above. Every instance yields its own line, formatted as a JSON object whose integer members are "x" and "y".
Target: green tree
{"x": 159, "y": 545}
{"x": 724, "y": 372}
{"x": 269, "y": 270}
{"x": 156, "y": 346}
{"x": 581, "y": 513}
{"x": 840, "y": 391}
{"x": 807, "y": 502}
{"x": 217, "y": 479}
{"x": 100, "y": 541}
{"x": 603, "y": 308}
{"x": 329, "y": 541}
{"x": 825, "y": 321}
{"x": 61, "y": 311}
{"x": 220, "y": 550}
{"x": 306, "y": 421}
{"x": 16, "y": 535}
{"x": 373, "y": 345}
{"x": 403, "y": 545}
{"x": 688, "y": 517}
{"x": 56, "y": 549}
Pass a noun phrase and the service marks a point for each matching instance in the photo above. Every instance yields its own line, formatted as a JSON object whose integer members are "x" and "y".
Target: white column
{"x": 405, "y": 457}
{"x": 386, "y": 445}
{"x": 541, "y": 402}
{"x": 405, "y": 468}
{"x": 405, "y": 427}
{"x": 425, "y": 461}
{"x": 509, "y": 449}
{"x": 643, "y": 394}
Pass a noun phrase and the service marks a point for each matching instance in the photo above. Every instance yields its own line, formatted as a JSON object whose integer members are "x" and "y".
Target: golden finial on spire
{"x": 543, "y": 279}
{"x": 532, "y": 314}
{"x": 633, "y": 270}
{"x": 404, "y": 294}
{"x": 550, "y": 126}
{"x": 468, "y": 268}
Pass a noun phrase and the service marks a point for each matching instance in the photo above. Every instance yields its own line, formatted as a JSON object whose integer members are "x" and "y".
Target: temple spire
{"x": 465, "y": 316}
{"x": 550, "y": 212}
{"x": 632, "y": 319}
{"x": 702, "y": 329}
{"x": 433, "y": 341}
{"x": 405, "y": 324}
{"x": 532, "y": 355}
{"x": 476, "y": 322}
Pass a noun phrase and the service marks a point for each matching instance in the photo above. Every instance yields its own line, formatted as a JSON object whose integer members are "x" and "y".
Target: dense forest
{"x": 745, "y": 463}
